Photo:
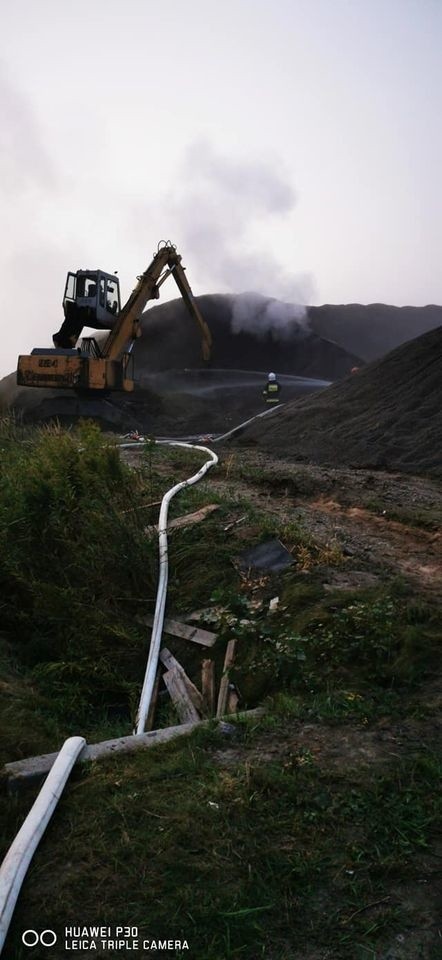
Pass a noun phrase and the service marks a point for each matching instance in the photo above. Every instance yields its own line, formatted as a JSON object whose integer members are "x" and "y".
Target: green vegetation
{"x": 289, "y": 839}
{"x": 244, "y": 856}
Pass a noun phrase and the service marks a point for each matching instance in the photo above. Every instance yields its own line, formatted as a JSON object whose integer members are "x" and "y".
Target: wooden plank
{"x": 31, "y": 770}
{"x": 170, "y": 663}
{"x": 178, "y": 694}
{"x": 178, "y": 629}
{"x": 224, "y": 685}
{"x": 195, "y": 517}
{"x": 187, "y": 519}
{"x": 208, "y": 686}
{"x": 151, "y": 713}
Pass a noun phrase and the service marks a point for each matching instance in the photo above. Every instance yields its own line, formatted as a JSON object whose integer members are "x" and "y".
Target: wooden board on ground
{"x": 178, "y": 629}
{"x": 187, "y": 519}
{"x": 195, "y": 517}
{"x": 180, "y": 697}
{"x": 171, "y": 663}
{"x": 224, "y": 685}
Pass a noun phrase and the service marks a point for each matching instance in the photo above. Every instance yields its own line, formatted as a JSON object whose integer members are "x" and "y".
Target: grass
{"x": 241, "y": 858}
{"x": 425, "y": 518}
{"x": 258, "y": 845}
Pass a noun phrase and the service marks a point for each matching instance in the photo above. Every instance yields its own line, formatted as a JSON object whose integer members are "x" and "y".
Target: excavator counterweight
{"x": 92, "y": 299}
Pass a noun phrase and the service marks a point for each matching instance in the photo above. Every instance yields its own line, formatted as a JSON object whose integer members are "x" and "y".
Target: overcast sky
{"x": 288, "y": 146}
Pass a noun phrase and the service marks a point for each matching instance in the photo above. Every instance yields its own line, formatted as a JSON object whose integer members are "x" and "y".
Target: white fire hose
{"x": 19, "y": 856}
{"x": 20, "y": 853}
{"x": 157, "y": 629}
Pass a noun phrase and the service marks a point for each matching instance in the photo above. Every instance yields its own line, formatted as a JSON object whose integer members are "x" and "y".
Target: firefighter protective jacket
{"x": 271, "y": 391}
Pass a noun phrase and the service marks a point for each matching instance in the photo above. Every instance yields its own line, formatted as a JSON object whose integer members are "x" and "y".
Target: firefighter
{"x": 272, "y": 389}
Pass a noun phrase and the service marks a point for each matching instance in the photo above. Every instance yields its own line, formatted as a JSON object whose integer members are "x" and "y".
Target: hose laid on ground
{"x": 241, "y": 426}
{"x": 152, "y": 662}
{"x": 20, "y": 853}
{"x": 157, "y": 629}
{"x": 19, "y": 856}
{"x": 196, "y": 437}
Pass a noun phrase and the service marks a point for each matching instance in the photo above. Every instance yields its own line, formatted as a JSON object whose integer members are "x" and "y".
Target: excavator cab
{"x": 91, "y": 299}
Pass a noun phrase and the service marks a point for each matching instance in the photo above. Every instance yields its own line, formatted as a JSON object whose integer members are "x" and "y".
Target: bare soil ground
{"x": 357, "y": 510}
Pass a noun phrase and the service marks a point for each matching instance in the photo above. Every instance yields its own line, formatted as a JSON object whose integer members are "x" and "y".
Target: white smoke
{"x": 252, "y": 313}
{"x": 25, "y": 164}
{"x": 223, "y": 206}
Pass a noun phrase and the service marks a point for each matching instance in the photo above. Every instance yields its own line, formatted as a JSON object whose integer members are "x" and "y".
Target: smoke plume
{"x": 252, "y": 313}
{"x": 24, "y": 161}
{"x": 223, "y": 204}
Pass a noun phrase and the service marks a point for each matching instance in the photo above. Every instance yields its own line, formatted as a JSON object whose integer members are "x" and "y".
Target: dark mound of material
{"x": 171, "y": 340}
{"x": 388, "y": 415}
{"x": 373, "y": 330}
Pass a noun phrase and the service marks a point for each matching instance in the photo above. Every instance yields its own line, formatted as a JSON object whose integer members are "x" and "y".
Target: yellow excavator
{"x": 92, "y": 299}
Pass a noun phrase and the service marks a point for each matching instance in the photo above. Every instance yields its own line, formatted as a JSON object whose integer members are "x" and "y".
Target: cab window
{"x": 87, "y": 286}
{"x": 112, "y": 296}
{"x": 69, "y": 293}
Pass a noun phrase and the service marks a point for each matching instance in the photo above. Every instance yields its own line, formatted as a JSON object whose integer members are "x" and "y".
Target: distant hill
{"x": 373, "y": 330}
{"x": 387, "y": 415}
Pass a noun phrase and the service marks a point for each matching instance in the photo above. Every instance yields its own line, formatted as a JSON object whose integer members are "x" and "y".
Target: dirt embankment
{"x": 387, "y": 415}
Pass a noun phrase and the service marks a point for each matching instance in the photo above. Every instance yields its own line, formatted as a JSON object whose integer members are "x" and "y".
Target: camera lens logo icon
{"x": 47, "y": 938}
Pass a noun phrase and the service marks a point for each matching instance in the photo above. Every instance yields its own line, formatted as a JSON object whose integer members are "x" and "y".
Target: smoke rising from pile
{"x": 224, "y": 201}
{"x": 252, "y": 313}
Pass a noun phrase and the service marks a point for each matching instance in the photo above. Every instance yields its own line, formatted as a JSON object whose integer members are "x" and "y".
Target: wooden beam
{"x": 178, "y": 629}
{"x": 171, "y": 663}
{"x": 180, "y": 697}
{"x": 195, "y": 517}
{"x": 208, "y": 686}
{"x": 33, "y": 769}
{"x": 224, "y": 685}
{"x": 187, "y": 519}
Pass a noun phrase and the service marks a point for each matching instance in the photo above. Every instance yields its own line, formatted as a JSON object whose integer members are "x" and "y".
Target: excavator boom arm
{"x": 127, "y": 327}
